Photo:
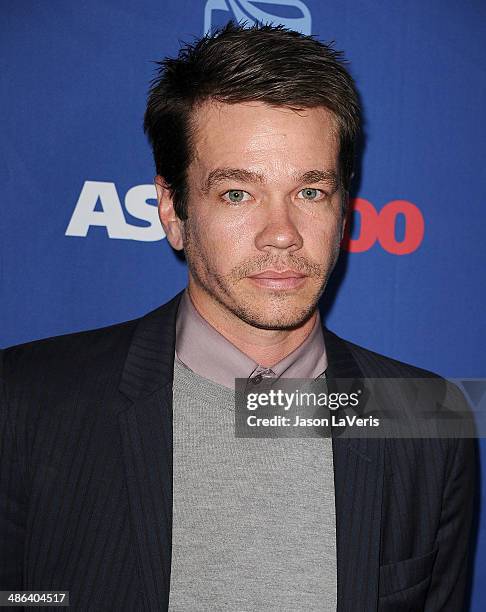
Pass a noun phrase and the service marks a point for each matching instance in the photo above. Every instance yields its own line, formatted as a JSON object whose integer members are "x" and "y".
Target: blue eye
{"x": 236, "y": 196}
{"x": 310, "y": 194}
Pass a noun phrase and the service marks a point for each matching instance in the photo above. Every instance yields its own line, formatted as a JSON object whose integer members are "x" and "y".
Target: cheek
{"x": 226, "y": 237}
{"x": 323, "y": 235}
{"x": 217, "y": 244}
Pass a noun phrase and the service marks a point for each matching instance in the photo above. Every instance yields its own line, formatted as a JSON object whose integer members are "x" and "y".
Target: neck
{"x": 265, "y": 346}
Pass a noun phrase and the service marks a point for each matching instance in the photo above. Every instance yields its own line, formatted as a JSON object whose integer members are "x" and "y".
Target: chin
{"x": 276, "y": 316}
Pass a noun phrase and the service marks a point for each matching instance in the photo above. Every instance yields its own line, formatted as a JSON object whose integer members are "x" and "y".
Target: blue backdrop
{"x": 81, "y": 245}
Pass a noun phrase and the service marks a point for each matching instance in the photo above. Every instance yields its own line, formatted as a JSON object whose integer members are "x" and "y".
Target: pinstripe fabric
{"x": 86, "y": 480}
{"x": 426, "y": 502}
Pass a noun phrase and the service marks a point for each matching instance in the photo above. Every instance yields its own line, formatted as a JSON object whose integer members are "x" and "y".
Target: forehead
{"x": 257, "y": 134}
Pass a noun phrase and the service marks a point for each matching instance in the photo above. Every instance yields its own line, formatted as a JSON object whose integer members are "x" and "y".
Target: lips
{"x": 278, "y": 275}
{"x": 278, "y": 280}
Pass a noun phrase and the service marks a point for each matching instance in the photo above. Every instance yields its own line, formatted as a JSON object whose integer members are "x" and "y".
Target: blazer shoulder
{"x": 405, "y": 383}
{"x": 374, "y": 364}
{"x": 85, "y": 361}
{"x": 68, "y": 357}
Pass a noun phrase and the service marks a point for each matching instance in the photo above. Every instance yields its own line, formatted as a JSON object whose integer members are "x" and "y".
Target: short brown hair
{"x": 238, "y": 64}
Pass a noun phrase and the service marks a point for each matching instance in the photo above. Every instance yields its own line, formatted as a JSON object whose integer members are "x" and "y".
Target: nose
{"x": 279, "y": 229}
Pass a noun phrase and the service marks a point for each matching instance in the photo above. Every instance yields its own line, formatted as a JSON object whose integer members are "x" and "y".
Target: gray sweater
{"x": 253, "y": 519}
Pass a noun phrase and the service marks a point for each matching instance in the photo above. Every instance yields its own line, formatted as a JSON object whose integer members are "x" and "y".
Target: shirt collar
{"x": 202, "y": 349}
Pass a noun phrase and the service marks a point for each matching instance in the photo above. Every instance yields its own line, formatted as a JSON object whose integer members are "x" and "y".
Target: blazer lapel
{"x": 358, "y": 484}
{"x": 145, "y": 420}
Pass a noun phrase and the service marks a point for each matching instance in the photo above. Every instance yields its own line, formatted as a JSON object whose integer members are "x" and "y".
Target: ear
{"x": 170, "y": 221}
{"x": 345, "y": 213}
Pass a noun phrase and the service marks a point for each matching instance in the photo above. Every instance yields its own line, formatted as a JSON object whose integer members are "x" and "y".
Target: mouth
{"x": 275, "y": 279}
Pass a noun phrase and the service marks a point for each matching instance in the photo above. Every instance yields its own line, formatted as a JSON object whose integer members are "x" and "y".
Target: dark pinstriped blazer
{"x": 86, "y": 480}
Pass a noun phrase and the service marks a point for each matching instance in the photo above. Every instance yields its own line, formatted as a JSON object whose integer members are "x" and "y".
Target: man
{"x": 122, "y": 479}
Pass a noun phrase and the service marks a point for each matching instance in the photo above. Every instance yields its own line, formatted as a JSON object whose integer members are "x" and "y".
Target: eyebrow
{"x": 247, "y": 176}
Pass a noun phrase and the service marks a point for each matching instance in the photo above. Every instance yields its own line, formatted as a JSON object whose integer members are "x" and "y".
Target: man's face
{"x": 264, "y": 211}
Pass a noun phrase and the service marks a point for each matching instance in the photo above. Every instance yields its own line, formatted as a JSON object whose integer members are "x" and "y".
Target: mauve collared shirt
{"x": 202, "y": 349}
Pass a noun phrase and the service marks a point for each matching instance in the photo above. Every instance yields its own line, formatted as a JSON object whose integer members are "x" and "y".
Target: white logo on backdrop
{"x": 99, "y": 205}
{"x": 248, "y": 10}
